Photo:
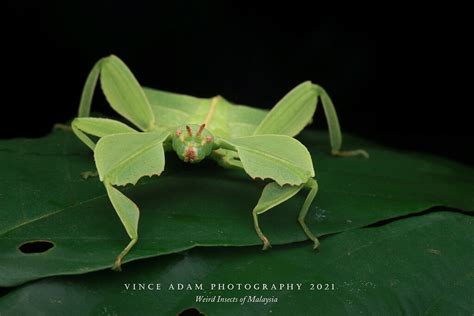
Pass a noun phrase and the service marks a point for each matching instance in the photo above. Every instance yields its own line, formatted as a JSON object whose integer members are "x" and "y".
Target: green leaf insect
{"x": 259, "y": 142}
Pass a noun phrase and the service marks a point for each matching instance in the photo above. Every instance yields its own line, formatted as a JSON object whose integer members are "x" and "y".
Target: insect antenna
{"x": 190, "y": 132}
{"x": 201, "y": 128}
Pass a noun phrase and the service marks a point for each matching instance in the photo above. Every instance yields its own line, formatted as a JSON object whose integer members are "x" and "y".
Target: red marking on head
{"x": 201, "y": 128}
{"x": 190, "y": 154}
{"x": 209, "y": 138}
{"x": 178, "y": 132}
{"x": 190, "y": 132}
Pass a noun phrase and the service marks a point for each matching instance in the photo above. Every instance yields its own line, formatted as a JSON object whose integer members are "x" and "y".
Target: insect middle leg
{"x": 273, "y": 195}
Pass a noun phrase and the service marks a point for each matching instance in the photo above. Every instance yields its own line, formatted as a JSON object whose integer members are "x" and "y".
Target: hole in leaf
{"x": 191, "y": 312}
{"x": 36, "y": 246}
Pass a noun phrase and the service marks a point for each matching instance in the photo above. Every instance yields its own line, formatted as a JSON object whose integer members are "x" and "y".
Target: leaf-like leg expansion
{"x": 292, "y": 113}
{"x": 278, "y": 157}
{"x": 122, "y": 91}
{"x": 272, "y": 195}
{"x": 129, "y": 214}
{"x": 98, "y": 127}
{"x": 125, "y": 158}
{"x": 313, "y": 186}
{"x": 335, "y": 135}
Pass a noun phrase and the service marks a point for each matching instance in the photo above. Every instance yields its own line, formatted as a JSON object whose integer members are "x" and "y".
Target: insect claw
{"x": 201, "y": 128}
{"x": 266, "y": 243}
{"x": 190, "y": 132}
{"x": 316, "y": 244}
{"x": 117, "y": 265}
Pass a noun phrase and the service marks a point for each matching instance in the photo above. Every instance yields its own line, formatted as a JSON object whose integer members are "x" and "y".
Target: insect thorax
{"x": 192, "y": 142}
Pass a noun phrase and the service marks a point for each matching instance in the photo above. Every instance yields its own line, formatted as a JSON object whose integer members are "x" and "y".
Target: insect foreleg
{"x": 99, "y": 127}
{"x": 123, "y": 159}
{"x": 122, "y": 91}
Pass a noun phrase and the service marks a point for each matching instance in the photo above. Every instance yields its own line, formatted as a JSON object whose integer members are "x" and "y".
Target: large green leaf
{"x": 43, "y": 197}
{"x": 415, "y": 266}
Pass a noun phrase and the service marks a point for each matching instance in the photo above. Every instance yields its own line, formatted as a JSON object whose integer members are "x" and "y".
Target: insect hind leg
{"x": 266, "y": 242}
{"x": 313, "y": 186}
{"x": 335, "y": 135}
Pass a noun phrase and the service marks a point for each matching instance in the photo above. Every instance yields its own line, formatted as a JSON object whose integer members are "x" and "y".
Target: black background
{"x": 398, "y": 75}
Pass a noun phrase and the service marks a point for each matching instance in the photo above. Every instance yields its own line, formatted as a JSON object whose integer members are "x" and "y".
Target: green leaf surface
{"x": 44, "y": 197}
{"x": 416, "y": 266}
